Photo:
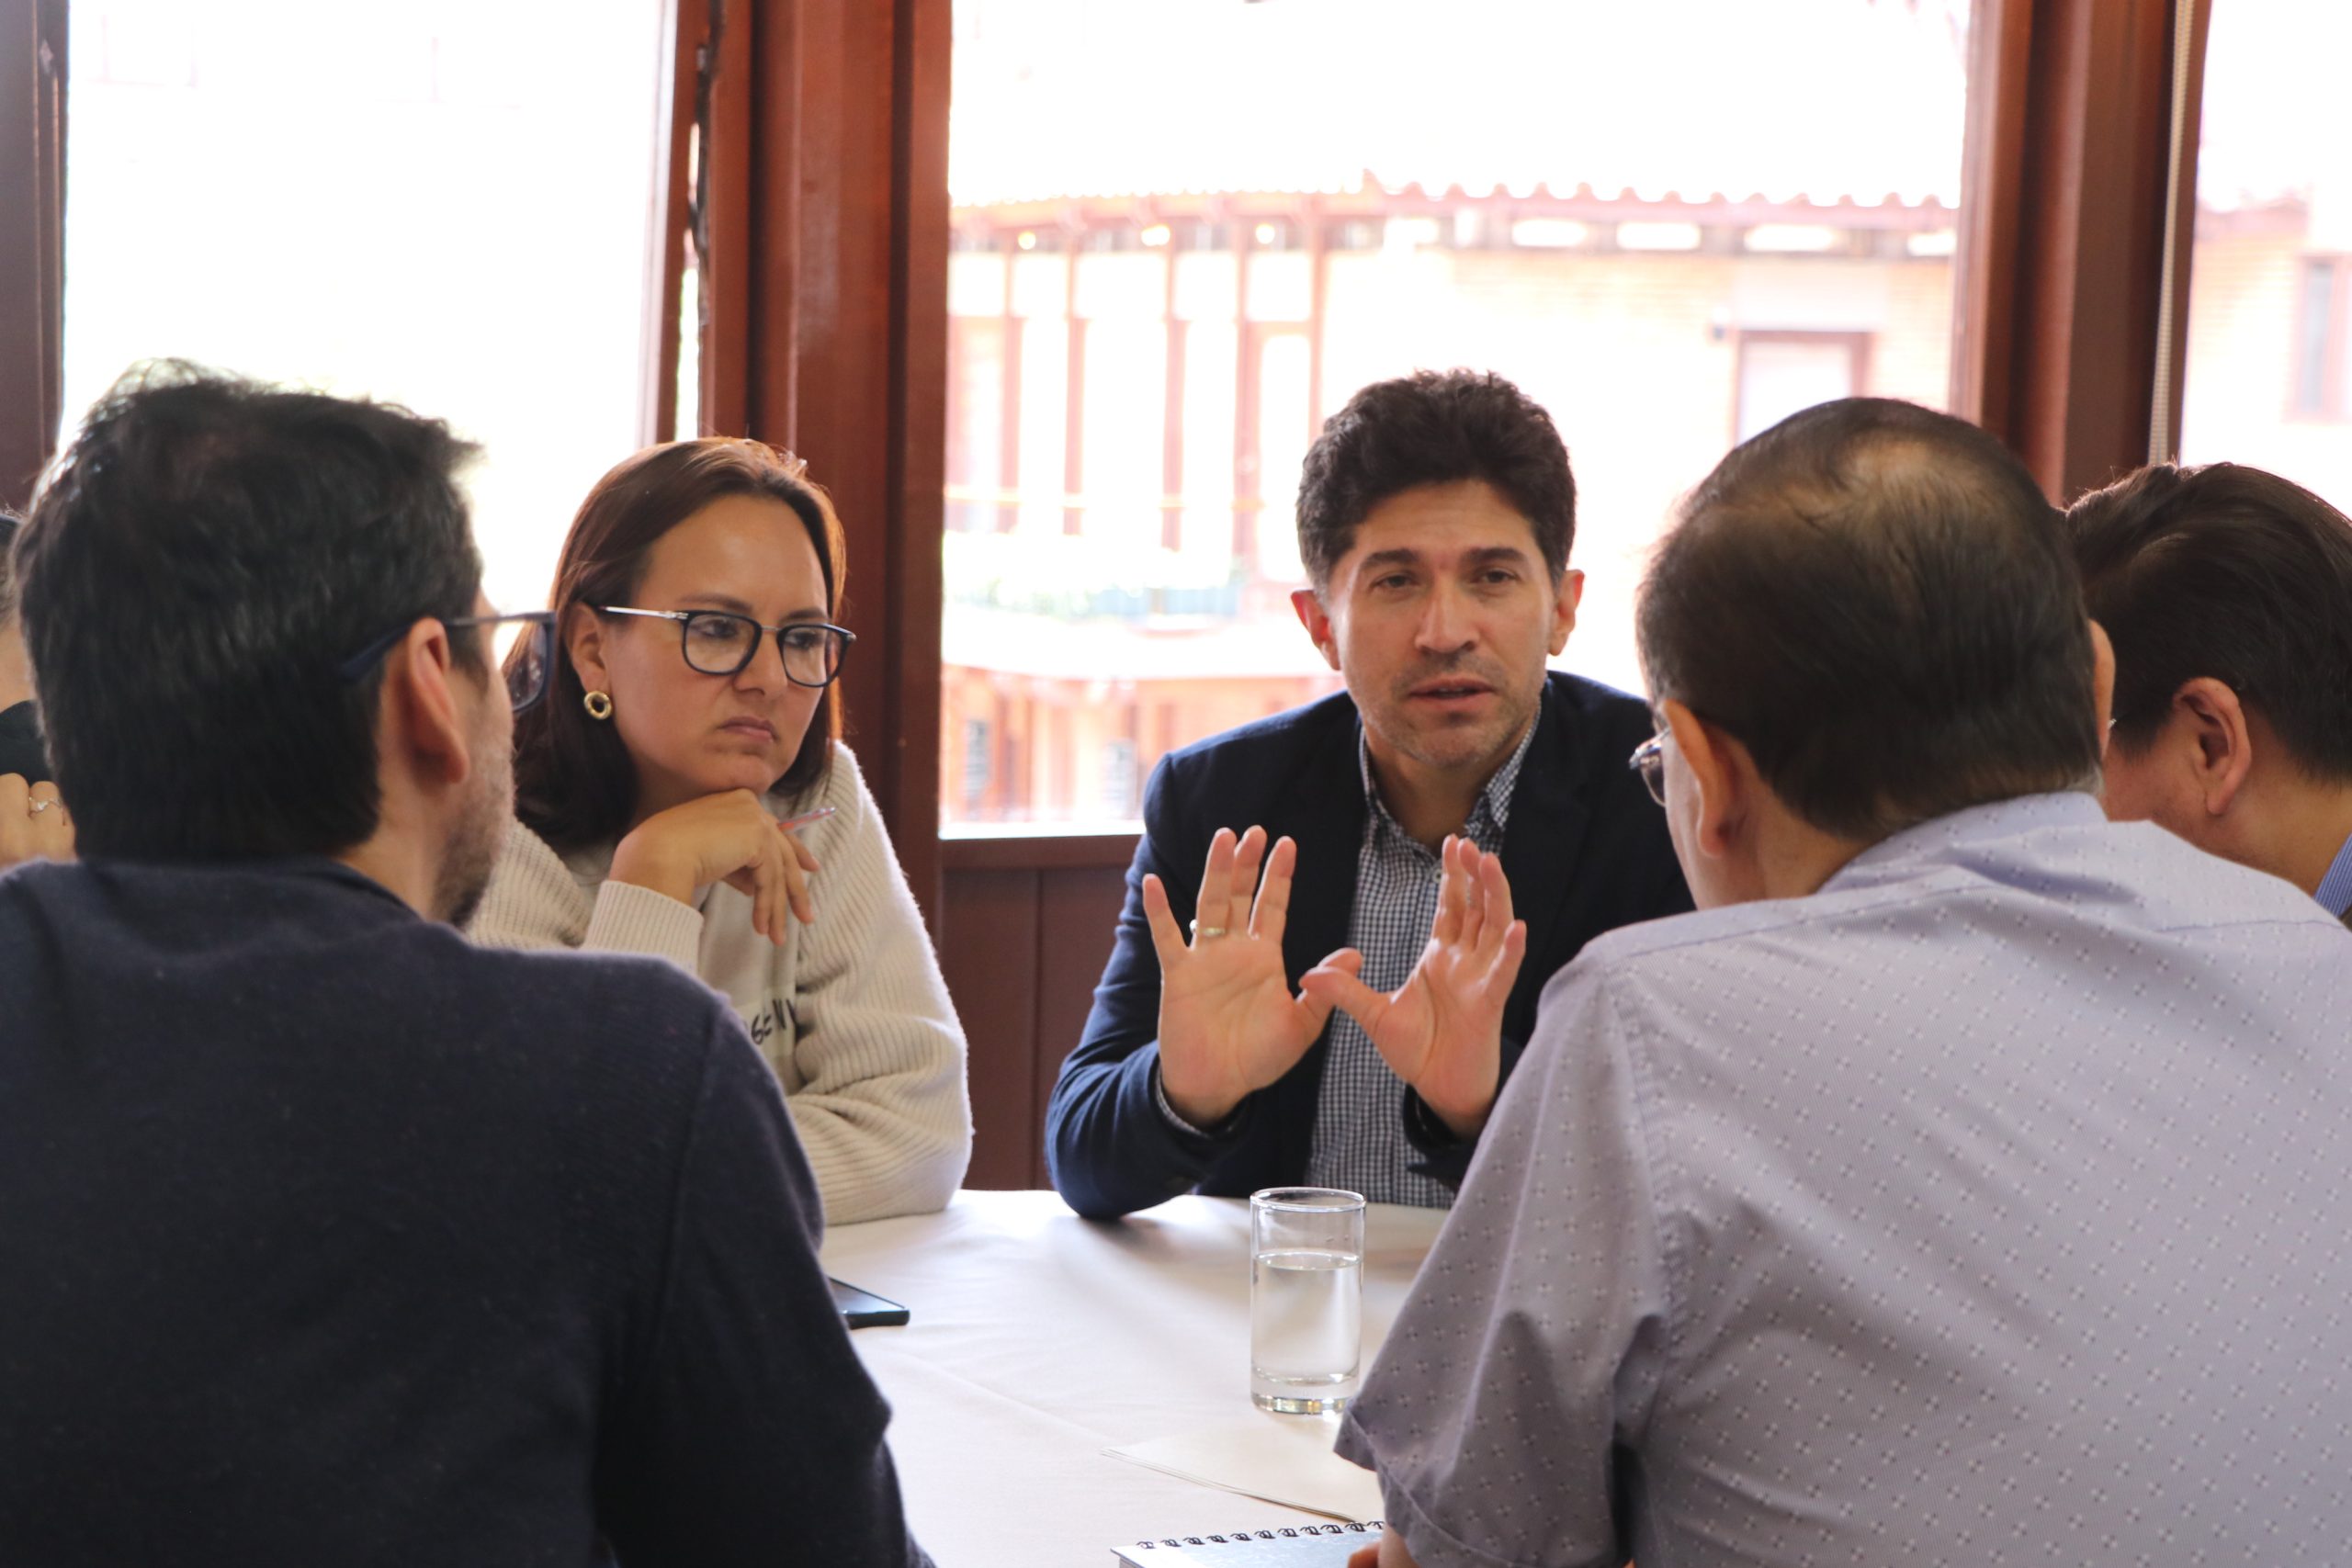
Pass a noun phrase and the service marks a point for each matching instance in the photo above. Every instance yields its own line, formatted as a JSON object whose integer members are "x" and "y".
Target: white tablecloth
{"x": 1039, "y": 1339}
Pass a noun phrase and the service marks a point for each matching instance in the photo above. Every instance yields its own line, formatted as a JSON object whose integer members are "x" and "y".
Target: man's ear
{"x": 1307, "y": 604}
{"x": 583, "y": 640}
{"x": 421, "y": 724}
{"x": 1565, "y": 598}
{"x": 1721, "y": 775}
{"x": 2223, "y": 745}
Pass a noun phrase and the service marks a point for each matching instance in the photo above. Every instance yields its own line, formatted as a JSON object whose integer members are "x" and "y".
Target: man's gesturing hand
{"x": 1443, "y": 1032}
{"x": 1228, "y": 1024}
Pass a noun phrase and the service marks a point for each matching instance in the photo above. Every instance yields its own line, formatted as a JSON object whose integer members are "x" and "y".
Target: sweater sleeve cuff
{"x": 1167, "y": 1111}
{"x": 630, "y": 919}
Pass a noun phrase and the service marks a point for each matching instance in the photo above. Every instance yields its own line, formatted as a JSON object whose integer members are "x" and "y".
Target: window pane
{"x": 442, "y": 205}
{"x": 1042, "y": 412}
{"x": 1285, "y": 429}
{"x": 1779, "y": 374}
{"x": 1206, "y": 543}
{"x": 976, "y": 365}
{"x": 2315, "y": 335}
{"x": 1223, "y": 207}
{"x": 2270, "y": 285}
{"x": 1120, "y": 472}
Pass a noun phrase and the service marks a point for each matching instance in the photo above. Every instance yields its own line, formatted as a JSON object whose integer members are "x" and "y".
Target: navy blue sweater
{"x": 326, "y": 1237}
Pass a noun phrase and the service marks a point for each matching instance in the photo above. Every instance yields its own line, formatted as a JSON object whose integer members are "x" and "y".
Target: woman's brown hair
{"x": 575, "y": 783}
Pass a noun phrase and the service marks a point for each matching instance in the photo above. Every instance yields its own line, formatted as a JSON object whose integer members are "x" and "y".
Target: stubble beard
{"x": 1449, "y": 746}
{"x": 475, "y": 839}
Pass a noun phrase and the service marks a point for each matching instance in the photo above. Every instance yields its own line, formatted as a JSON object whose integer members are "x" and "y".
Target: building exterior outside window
{"x": 2269, "y": 366}
{"x": 1184, "y": 234}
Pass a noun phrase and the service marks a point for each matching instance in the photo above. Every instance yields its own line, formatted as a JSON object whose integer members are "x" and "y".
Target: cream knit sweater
{"x": 851, "y": 1012}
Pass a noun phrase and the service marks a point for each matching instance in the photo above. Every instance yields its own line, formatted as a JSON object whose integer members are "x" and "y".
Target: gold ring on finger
{"x": 1206, "y": 933}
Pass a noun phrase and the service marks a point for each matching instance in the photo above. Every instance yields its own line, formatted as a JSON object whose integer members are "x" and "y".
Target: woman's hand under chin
{"x": 724, "y": 838}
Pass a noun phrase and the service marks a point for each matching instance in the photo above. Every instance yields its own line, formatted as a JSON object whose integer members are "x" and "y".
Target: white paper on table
{"x": 1281, "y": 1458}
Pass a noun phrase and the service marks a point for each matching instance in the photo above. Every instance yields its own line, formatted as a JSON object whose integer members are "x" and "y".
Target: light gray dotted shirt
{"x": 1989, "y": 1206}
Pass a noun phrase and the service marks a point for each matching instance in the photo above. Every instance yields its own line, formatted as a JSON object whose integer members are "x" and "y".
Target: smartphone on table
{"x": 864, "y": 1309}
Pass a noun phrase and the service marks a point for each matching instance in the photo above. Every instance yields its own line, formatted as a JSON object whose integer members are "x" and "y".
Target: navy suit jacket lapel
{"x": 1324, "y": 814}
{"x": 1548, "y": 822}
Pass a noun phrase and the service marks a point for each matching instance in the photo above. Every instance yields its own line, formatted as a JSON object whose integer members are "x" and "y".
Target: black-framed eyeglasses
{"x": 720, "y": 642}
{"x": 531, "y": 631}
{"x": 1649, "y": 761}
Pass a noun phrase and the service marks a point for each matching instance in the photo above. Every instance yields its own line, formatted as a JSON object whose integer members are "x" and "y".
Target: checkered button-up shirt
{"x": 1360, "y": 1142}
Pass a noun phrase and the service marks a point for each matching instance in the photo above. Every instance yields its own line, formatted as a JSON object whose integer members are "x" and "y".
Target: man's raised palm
{"x": 1442, "y": 1031}
{"x": 1228, "y": 1023}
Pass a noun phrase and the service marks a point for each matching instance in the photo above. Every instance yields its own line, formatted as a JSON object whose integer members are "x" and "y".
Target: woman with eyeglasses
{"x": 682, "y": 790}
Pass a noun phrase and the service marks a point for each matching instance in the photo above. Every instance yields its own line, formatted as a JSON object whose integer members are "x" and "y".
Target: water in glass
{"x": 1305, "y": 1311}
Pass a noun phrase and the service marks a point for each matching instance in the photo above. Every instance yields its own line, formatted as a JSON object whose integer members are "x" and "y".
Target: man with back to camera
{"x": 2227, "y": 592}
{"x": 34, "y": 824}
{"x": 332, "y": 1237}
{"x": 1964, "y": 1183}
{"x": 1454, "y": 779}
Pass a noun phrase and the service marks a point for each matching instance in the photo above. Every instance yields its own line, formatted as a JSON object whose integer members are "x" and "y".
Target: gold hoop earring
{"x": 598, "y": 704}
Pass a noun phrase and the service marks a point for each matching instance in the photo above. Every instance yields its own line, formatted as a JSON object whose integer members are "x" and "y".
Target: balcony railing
{"x": 1082, "y": 577}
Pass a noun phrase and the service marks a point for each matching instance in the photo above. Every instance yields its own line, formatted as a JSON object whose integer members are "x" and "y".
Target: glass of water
{"x": 1306, "y": 1298}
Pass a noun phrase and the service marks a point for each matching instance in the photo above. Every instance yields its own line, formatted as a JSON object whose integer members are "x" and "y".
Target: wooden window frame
{"x": 2060, "y": 303}
{"x": 818, "y": 220}
{"x": 821, "y": 240}
{"x": 32, "y": 254}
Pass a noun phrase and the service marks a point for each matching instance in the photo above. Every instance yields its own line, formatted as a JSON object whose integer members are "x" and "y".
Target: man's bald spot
{"x": 1875, "y": 599}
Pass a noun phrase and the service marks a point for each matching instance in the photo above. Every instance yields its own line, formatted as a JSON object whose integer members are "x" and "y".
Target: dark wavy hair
{"x": 575, "y": 783}
{"x": 198, "y": 566}
{"x": 1434, "y": 427}
{"x": 2229, "y": 573}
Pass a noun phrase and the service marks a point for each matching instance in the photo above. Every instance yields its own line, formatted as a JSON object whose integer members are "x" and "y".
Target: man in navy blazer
{"x": 1254, "y": 1033}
